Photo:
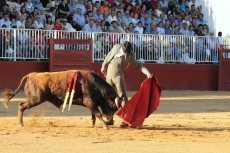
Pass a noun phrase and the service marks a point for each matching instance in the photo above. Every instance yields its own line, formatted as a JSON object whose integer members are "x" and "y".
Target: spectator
{"x": 103, "y": 26}
{"x": 89, "y": 16}
{"x": 5, "y": 21}
{"x": 186, "y": 20}
{"x": 29, "y": 23}
{"x": 205, "y": 30}
{"x": 164, "y": 5}
{"x": 161, "y": 19}
{"x": 89, "y": 6}
{"x": 112, "y": 17}
{"x": 89, "y": 27}
{"x": 135, "y": 19}
{"x": 6, "y": 10}
{"x": 177, "y": 10}
{"x": 212, "y": 44}
{"x": 43, "y": 15}
{"x": 21, "y": 22}
{"x": 191, "y": 32}
{"x": 122, "y": 27}
{"x": 96, "y": 6}
{"x": 113, "y": 27}
{"x": 81, "y": 5}
{"x": 200, "y": 20}
{"x": 38, "y": 4}
{"x": 38, "y": 23}
{"x": 183, "y": 5}
{"x": 145, "y": 20}
{"x": 78, "y": 20}
{"x": 184, "y": 29}
{"x": 120, "y": 8}
{"x": 13, "y": 23}
{"x": 97, "y": 15}
{"x": 130, "y": 28}
{"x": 52, "y": 13}
{"x": 194, "y": 2}
{"x": 167, "y": 28}
{"x": 67, "y": 26}
{"x": 98, "y": 26}
{"x": 23, "y": 40}
{"x": 29, "y": 6}
{"x": 57, "y": 24}
{"x": 139, "y": 28}
{"x": 178, "y": 20}
{"x": 194, "y": 12}
{"x": 176, "y": 30}
{"x": 18, "y": 5}
{"x": 23, "y": 12}
{"x": 198, "y": 30}
{"x": 72, "y": 6}
{"x": 119, "y": 18}
{"x": 127, "y": 18}
{"x": 63, "y": 10}
{"x": 49, "y": 23}
{"x": 34, "y": 13}
{"x": 151, "y": 29}
{"x": 50, "y": 5}
{"x": 11, "y": 5}
{"x": 160, "y": 29}
{"x": 104, "y": 8}
{"x": 137, "y": 9}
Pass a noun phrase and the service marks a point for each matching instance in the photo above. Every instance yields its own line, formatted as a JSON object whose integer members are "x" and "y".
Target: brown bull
{"x": 91, "y": 91}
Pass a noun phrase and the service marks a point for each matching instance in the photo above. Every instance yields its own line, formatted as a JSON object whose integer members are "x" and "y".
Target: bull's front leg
{"x": 93, "y": 119}
{"x": 94, "y": 109}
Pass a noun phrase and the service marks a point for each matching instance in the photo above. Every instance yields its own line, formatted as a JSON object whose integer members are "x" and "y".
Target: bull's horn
{"x": 118, "y": 102}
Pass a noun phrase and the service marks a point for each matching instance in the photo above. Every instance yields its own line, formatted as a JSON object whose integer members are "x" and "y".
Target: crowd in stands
{"x": 160, "y": 17}
{"x": 118, "y": 16}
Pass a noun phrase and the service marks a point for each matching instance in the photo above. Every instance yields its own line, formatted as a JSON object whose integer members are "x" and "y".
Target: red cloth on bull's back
{"x": 142, "y": 104}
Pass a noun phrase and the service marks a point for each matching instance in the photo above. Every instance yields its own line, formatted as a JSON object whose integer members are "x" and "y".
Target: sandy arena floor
{"x": 185, "y": 122}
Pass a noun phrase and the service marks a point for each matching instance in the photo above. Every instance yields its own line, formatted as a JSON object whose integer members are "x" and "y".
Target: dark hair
{"x": 220, "y": 34}
{"x": 4, "y": 26}
{"x": 127, "y": 47}
{"x": 51, "y": 22}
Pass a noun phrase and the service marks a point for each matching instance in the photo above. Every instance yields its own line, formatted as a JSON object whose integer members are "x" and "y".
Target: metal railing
{"x": 30, "y": 44}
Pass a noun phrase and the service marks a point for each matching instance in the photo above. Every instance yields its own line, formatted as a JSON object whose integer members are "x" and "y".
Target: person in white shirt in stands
{"x": 112, "y": 17}
{"x": 5, "y": 20}
{"x": 38, "y": 23}
{"x": 21, "y": 22}
{"x": 220, "y": 43}
{"x": 67, "y": 26}
{"x": 139, "y": 28}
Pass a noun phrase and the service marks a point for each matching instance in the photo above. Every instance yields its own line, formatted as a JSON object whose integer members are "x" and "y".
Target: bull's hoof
{"x": 111, "y": 122}
{"x": 20, "y": 124}
{"x": 93, "y": 121}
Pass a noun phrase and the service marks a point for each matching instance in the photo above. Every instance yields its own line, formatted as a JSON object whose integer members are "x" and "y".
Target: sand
{"x": 186, "y": 121}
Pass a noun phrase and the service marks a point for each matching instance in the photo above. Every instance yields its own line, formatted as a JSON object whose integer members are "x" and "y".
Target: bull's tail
{"x": 8, "y": 94}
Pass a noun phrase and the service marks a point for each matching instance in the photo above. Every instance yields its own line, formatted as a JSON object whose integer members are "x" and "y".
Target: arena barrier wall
{"x": 171, "y": 76}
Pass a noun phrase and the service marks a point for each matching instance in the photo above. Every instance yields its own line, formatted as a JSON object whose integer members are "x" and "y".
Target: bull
{"x": 90, "y": 90}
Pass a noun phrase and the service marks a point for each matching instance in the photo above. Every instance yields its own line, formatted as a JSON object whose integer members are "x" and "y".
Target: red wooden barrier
{"x": 224, "y": 70}
{"x": 67, "y": 54}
